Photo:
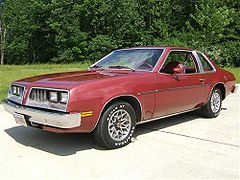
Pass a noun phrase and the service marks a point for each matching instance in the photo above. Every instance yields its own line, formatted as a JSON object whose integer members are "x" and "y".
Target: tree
{"x": 212, "y": 20}
{"x": 62, "y": 31}
{"x": 2, "y": 32}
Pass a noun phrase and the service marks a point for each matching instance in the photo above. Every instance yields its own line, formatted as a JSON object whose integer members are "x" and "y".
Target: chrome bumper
{"x": 235, "y": 89}
{"x": 59, "y": 120}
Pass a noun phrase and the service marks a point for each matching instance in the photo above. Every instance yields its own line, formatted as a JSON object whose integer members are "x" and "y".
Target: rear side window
{"x": 205, "y": 64}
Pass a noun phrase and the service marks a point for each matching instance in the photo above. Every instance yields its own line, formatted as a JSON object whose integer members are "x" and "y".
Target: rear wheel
{"x": 116, "y": 126}
{"x": 214, "y": 104}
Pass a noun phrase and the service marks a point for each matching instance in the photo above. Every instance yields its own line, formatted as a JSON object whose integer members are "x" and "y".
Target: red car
{"x": 125, "y": 88}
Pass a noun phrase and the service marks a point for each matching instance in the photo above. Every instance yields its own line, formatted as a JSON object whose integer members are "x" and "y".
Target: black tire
{"x": 207, "y": 110}
{"x": 109, "y": 125}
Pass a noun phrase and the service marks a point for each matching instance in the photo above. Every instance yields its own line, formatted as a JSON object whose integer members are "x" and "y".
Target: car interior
{"x": 176, "y": 58}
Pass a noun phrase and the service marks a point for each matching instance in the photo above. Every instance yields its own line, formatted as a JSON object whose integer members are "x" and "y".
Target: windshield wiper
{"x": 121, "y": 67}
{"x": 96, "y": 67}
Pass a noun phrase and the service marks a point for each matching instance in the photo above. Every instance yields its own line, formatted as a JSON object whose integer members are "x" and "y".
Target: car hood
{"x": 71, "y": 79}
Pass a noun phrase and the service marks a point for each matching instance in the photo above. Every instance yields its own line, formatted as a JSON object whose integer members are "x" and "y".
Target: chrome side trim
{"x": 147, "y": 92}
{"x": 54, "y": 89}
{"x": 179, "y": 88}
{"x": 161, "y": 117}
{"x": 191, "y": 74}
{"x": 170, "y": 89}
{"x": 123, "y": 95}
{"x": 58, "y": 120}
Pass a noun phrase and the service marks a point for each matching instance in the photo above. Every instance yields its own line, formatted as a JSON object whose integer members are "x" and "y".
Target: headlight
{"x": 53, "y": 96}
{"x": 16, "y": 93}
{"x": 63, "y": 97}
{"x": 16, "y": 90}
{"x": 54, "y": 99}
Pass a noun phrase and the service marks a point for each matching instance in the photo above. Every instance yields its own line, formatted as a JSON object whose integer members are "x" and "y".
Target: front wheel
{"x": 214, "y": 104}
{"x": 116, "y": 126}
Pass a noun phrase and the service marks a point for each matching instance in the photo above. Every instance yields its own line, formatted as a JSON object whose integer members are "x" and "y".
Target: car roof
{"x": 159, "y": 47}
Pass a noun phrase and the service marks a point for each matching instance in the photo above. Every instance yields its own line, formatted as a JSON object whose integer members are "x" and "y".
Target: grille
{"x": 39, "y": 95}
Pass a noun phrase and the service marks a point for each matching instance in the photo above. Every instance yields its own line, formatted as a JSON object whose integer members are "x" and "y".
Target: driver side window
{"x": 179, "y": 58}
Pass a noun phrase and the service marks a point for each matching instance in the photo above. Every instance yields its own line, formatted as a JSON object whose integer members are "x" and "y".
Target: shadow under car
{"x": 68, "y": 144}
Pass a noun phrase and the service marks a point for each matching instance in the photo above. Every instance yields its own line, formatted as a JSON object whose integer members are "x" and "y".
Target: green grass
{"x": 9, "y": 73}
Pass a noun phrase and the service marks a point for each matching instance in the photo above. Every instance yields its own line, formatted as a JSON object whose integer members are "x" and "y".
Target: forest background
{"x": 70, "y": 31}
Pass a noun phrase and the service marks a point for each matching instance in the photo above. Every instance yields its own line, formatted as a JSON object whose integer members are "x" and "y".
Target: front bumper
{"x": 40, "y": 117}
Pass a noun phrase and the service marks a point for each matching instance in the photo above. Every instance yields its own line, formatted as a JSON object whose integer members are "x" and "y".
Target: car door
{"x": 179, "y": 92}
{"x": 209, "y": 72}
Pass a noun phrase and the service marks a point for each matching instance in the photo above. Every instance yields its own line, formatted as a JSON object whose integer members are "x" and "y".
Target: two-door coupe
{"x": 125, "y": 88}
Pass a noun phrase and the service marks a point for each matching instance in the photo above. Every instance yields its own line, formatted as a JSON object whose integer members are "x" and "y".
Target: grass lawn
{"x": 9, "y": 73}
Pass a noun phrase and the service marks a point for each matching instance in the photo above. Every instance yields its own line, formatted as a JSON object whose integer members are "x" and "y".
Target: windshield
{"x": 134, "y": 59}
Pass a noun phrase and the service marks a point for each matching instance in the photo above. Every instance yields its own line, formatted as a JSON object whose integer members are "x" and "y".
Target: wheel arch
{"x": 132, "y": 100}
{"x": 222, "y": 88}
{"x": 219, "y": 85}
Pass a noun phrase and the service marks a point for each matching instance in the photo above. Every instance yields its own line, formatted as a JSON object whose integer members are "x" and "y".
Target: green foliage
{"x": 99, "y": 46}
{"x": 212, "y": 20}
{"x": 170, "y": 42}
{"x": 229, "y": 54}
{"x": 42, "y": 31}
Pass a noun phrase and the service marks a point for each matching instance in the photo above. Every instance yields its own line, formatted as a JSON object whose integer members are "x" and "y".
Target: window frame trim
{"x": 198, "y": 64}
{"x": 209, "y": 62}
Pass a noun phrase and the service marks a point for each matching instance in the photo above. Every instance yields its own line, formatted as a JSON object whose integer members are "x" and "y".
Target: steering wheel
{"x": 146, "y": 63}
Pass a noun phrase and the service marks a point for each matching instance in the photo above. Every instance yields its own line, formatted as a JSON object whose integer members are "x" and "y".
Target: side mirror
{"x": 180, "y": 69}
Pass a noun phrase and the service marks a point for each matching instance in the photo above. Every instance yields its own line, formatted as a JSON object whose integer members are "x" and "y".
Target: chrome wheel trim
{"x": 119, "y": 125}
{"x": 215, "y": 102}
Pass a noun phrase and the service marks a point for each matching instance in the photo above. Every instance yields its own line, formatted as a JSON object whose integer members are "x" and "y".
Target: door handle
{"x": 202, "y": 80}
